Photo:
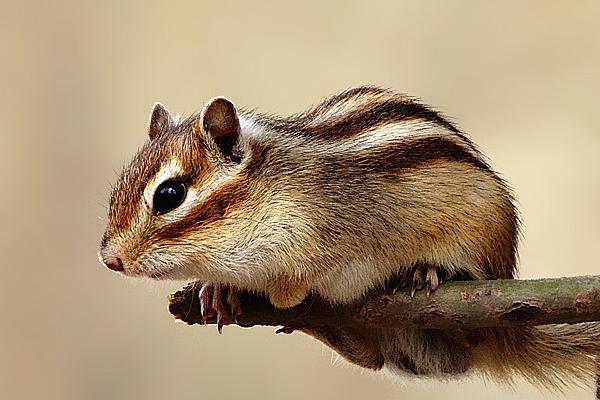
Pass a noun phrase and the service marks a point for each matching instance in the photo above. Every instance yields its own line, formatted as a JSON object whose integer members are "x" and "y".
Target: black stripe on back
{"x": 380, "y": 107}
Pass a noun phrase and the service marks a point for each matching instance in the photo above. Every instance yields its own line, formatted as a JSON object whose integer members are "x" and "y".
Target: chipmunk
{"x": 366, "y": 187}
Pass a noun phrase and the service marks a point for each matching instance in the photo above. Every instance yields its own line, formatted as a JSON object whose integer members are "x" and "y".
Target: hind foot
{"x": 421, "y": 276}
{"x": 425, "y": 276}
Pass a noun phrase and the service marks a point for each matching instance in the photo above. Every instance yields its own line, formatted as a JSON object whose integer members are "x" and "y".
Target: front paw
{"x": 222, "y": 301}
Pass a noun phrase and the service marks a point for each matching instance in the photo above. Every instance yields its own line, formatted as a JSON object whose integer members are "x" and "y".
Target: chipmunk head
{"x": 166, "y": 207}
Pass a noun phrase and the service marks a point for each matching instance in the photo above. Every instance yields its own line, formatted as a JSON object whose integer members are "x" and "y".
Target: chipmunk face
{"x": 166, "y": 207}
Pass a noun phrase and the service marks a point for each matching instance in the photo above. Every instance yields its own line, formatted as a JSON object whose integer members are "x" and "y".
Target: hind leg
{"x": 357, "y": 345}
{"x": 426, "y": 352}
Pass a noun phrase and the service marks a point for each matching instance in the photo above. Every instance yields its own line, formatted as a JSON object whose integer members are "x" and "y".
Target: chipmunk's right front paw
{"x": 222, "y": 301}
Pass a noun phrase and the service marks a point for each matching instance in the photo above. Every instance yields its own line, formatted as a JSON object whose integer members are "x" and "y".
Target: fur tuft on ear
{"x": 160, "y": 119}
{"x": 219, "y": 121}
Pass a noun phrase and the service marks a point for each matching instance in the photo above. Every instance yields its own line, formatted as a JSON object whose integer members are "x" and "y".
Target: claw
{"x": 220, "y": 323}
{"x": 418, "y": 282}
{"x": 233, "y": 300}
{"x": 429, "y": 276}
{"x": 432, "y": 279}
{"x": 399, "y": 282}
{"x": 206, "y": 296}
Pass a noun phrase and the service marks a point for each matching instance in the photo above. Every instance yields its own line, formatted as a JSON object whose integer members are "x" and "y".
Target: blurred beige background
{"x": 78, "y": 80}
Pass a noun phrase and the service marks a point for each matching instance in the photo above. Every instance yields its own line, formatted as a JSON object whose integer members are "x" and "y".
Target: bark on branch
{"x": 466, "y": 304}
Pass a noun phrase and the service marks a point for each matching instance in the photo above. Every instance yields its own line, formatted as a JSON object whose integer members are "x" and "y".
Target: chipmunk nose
{"x": 114, "y": 263}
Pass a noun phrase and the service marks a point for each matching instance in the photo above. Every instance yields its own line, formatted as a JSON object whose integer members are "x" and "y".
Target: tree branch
{"x": 466, "y": 304}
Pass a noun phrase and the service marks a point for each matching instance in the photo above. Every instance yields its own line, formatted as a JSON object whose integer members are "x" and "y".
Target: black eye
{"x": 168, "y": 196}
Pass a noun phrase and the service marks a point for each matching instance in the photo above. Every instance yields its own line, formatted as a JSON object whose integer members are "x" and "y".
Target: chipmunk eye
{"x": 168, "y": 196}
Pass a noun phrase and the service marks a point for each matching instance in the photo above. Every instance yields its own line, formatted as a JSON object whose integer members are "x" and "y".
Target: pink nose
{"x": 114, "y": 263}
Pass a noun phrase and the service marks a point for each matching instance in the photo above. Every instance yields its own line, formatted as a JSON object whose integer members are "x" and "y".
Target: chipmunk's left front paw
{"x": 222, "y": 301}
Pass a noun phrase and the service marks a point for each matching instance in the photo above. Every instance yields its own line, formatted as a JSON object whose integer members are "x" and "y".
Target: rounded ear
{"x": 219, "y": 121}
{"x": 160, "y": 119}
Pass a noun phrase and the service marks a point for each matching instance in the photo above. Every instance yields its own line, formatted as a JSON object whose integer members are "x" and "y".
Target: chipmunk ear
{"x": 219, "y": 121}
{"x": 160, "y": 119}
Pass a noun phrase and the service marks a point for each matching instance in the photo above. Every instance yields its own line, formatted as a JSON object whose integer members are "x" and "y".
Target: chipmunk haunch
{"x": 367, "y": 185}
